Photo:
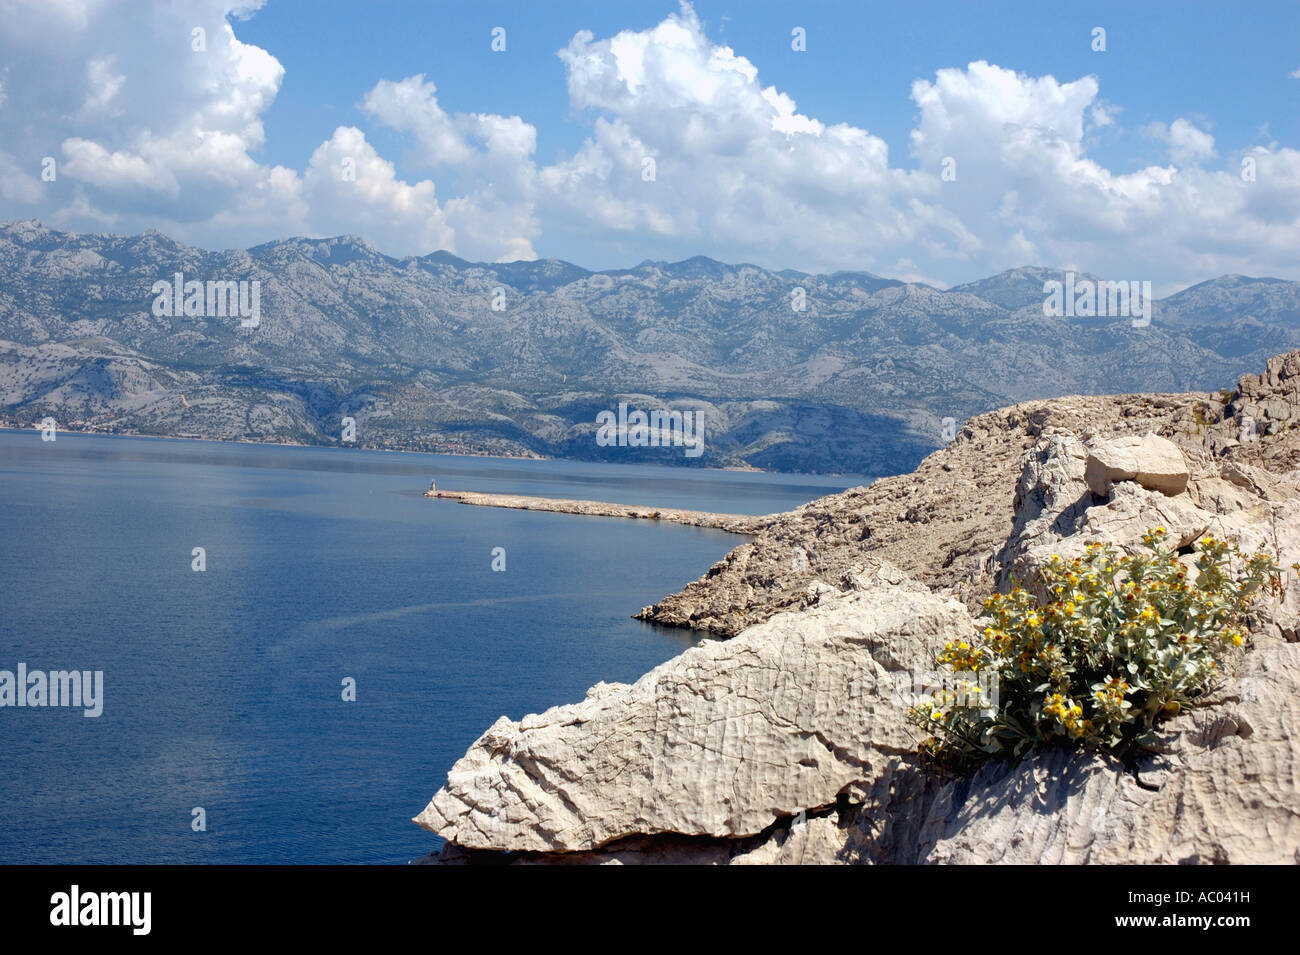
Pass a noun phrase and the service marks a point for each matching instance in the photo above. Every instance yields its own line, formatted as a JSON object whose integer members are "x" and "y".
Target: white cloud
{"x": 103, "y": 86}
{"x": 494, "y": 218}
{"x": 737, "y": 170}
{"x": 741, "y": 174}
{"x": 37, "y": 15}
{"x": 150, "y": 133}
{"x": 145, "y": 128}
{"x": 374, "y": 202}
{"x": 119, "y": 171}
{"x": 1187, "y": 144}
{"x": 17, "y": 185}
{"x": 1102, "y": 114}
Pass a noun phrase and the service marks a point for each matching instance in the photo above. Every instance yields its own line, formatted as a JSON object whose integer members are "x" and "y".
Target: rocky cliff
{"x": 789, "y": 742}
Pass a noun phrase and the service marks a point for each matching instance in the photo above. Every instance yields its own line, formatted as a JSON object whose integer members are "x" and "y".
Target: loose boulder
{"x": 1154, "y": 462}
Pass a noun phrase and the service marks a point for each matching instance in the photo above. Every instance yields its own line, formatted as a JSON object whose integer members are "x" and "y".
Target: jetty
{"x": 750, "y": 524}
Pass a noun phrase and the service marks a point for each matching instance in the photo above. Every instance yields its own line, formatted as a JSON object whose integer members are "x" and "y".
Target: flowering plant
{"x": 1120, "y": 643}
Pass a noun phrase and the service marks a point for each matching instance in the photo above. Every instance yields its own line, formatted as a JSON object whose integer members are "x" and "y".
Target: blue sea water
{"x": 224, "y": 689}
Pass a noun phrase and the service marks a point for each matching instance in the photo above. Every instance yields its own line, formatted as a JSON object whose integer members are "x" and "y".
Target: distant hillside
{"x": 858, "y": 380}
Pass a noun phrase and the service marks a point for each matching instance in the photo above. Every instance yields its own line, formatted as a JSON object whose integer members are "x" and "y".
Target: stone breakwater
{"x": 733, "y": 523}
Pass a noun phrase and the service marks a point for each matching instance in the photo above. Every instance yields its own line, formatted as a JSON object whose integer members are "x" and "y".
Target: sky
{"x": 935, "y": 142}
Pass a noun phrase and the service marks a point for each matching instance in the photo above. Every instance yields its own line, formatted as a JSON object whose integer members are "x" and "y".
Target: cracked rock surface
{"x": 719, "y": 741}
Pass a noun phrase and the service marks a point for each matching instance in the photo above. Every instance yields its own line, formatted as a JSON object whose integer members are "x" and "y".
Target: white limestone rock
{"x": 721, "y": 741}
{"x": 1150, "y": 460}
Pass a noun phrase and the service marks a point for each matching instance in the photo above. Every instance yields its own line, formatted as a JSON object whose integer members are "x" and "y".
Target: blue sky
{"x": 1128, "y": 160}
{"x": 1190, "y": 58}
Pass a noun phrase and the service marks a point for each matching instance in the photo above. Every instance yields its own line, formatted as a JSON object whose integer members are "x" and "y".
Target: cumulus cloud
{"x": 687, "y": 151}
{"x": 1102, "y": 114}
{"x": 493, "y": 218}
{"x": 1187, "y": 144}
{"x": 351, "y": 188}
{"x": 18, "y": 186}
{"x": 103, "y": 84}
{"x": 689, "y": 146}
{"x": 143, "y": 126}
{"x": 1000, "y": 173}
{"x": 153, "y": 115}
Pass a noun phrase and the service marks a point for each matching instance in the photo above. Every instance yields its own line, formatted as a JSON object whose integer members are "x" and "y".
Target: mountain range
{"x": 848, "y": 372}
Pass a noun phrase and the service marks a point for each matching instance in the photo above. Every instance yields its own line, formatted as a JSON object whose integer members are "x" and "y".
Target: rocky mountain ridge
{"x": 847, "y": 373}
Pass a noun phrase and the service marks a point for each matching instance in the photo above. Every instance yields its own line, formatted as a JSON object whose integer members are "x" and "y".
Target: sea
{"x": 294, "y": 645}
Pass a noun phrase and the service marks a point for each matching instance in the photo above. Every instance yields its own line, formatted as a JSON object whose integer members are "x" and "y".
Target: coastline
{"x": 9, "y": 425}
{"x": 285, "y": 443}
{"x": 288, "y": 443}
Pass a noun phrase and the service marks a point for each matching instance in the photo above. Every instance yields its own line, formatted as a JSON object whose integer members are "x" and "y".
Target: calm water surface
{"x": 223, "y": 689}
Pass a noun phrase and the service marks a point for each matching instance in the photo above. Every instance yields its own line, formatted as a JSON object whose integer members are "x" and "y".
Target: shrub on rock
{"x": 1122, "y": 643}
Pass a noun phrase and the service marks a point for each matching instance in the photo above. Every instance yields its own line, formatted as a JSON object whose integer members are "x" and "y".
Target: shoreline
{"x": 287, "y": 443}
{"x": 729, "y": 469}
{"x": 746, "y": 524}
